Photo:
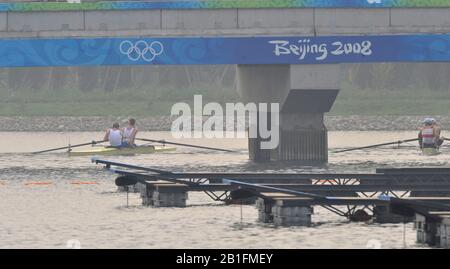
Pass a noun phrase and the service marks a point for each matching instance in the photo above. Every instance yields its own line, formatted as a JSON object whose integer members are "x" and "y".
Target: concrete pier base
{"x": 133, "y": 188}
{"x": 383, "y": 214}
{"x": 283, "y": 215}
{"x": 292, "y": 215}
{"x": 433, "y": 232}
{"x": 147, "y": 194}
{"x": 264, "y": 210}
{"x": 303, "y": 146}
{"x": 164, "y": 195}
{"x": 443, "y": 233}
{"x": 170, "y": 198}
{"x": 426, "y": 231}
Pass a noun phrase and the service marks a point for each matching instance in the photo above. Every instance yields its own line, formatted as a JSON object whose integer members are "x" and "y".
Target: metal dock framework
{"x": 391, "y": 195}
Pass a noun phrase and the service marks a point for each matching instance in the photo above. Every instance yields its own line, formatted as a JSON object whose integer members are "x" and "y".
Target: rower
{"x": 437, "y": 132}
{"x": 114, "y": 136}
{"x": 129, "y": 133}
{"x": 429, "y": 135}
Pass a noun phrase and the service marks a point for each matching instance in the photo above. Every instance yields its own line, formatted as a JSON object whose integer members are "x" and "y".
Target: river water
{"x": 43, "y": 204}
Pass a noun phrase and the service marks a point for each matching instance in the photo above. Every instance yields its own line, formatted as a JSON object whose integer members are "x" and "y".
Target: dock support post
{"x": 274, "y": 211}
{"x": 133, "y": 188}
{"x": 444, "y": 233}
{"x": 434, "y": 233}
{"x": 291, "y": 215}
{"x": 164, "y": 195}
{"x": 146, "y": 192}
{"x": 170, "y": 195}
{"x": 264, "y": 207}
{"x": 426, "y": 230}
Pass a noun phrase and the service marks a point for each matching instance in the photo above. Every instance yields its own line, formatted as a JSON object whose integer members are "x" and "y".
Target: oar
{"x": 378, "y": 145}
{"x": 181, "y": 144}
{"x": 69, "y": 146}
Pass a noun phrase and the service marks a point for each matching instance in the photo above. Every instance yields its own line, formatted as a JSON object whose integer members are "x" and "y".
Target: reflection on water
{"x": 49, "y": 214}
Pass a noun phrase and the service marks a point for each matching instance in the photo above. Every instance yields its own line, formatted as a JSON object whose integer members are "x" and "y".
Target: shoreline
{"x": 163, "y": 123}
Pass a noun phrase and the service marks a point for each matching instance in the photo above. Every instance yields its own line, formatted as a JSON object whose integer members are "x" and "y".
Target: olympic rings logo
{"x": 141, "y": 50}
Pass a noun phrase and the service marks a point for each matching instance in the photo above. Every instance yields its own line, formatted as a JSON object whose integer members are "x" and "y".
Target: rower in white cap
{"x": 429, "y": 135}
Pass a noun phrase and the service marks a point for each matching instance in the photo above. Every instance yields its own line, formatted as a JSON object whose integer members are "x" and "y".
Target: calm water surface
{"x": 48, "y": 214}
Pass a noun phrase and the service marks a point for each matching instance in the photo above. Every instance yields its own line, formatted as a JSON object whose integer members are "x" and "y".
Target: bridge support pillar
{"x": 304, "y": 93}
{"x": 262, "y": 84}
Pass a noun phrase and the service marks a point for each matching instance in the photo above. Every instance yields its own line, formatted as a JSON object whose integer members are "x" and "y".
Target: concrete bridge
{"x": 287, "y": 52}
{"x": 223, "y": 17}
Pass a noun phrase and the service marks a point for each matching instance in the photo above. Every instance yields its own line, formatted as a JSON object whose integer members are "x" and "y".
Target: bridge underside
{"x": 230, "y": 21}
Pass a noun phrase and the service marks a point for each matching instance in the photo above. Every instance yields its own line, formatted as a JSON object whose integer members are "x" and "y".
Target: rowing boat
{"x": 120, "y": 151}
{"x": 430, "y": 151}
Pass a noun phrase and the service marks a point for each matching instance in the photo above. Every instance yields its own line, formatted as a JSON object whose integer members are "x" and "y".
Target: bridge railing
{"x": 60, "y": 5}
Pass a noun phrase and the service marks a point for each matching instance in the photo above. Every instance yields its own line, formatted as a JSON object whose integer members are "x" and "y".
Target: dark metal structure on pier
{"x": 391, "y": 195}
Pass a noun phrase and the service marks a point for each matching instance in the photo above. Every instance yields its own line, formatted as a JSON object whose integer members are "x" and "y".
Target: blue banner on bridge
{"x": 216, "y": 50}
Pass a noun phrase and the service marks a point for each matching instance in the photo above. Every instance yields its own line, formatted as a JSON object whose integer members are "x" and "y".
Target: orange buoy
{"x": 38, "y": 183}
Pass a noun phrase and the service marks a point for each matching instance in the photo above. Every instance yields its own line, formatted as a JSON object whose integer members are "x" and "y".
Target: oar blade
{"x": 183, "y": 144}
{"x": 69, "y": 147}
{"x": 378, "y": 145}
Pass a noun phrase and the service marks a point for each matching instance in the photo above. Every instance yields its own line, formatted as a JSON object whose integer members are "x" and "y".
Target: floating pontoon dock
{"x": 392, "y": 195}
